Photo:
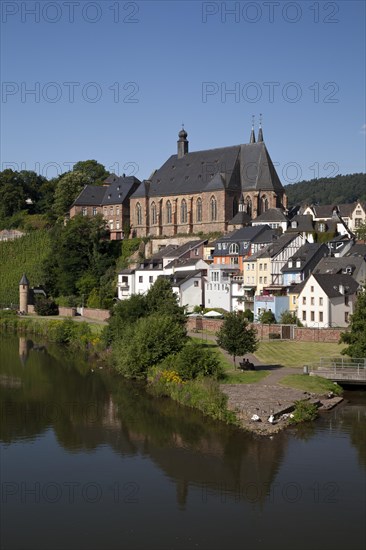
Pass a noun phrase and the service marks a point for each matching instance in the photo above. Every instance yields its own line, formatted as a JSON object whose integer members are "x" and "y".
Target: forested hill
{"x": 337, "y": 190}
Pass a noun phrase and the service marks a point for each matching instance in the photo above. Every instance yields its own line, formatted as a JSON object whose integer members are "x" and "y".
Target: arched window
{"x": 234, "y": 248}
{"x": 264, "y": 203}
{"x": 153, "y": 214}
{"x": 248, "y": 205}
{"x": 138, "y": 214}
{"x": 183, "y": 211}
{"x": 213, "y": 207}
{"x": 168, "y": 212}
{"x": 235, "y": 206}
{"x": 199, "y": 210}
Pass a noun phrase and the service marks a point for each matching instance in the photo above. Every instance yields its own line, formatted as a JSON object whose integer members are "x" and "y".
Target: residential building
{"x": 274, "y": 217}
{"x": 302, "y": 263}
{"x": 327, "y": 300}
{"x": 112, "y": 200}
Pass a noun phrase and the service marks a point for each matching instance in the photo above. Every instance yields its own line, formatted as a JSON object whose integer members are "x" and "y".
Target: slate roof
{"x": 326, "y": 210}
{"x": 240, "y": 218}
{"x": 304, "y": 224}
{"x": 305, "y": 254}
{"x": 24, "y": 280}
{"x": 333, "y": 265}
{"x": 278, "y": 245}
{"x": 184, "y": 248}
{"x": 330, "y": 284}
{"x": 357, "y": 249}
{"x": 246, "y": 167}
{"x": 180, "y": 262}
{"x": 91, "y": 195}
{"x": 271, "y": 215}
{"x": 120, "y": 189}
{"x": 165, "y": 251}
{"x": 117, "y": 190}
{"x": 181, "y": 277}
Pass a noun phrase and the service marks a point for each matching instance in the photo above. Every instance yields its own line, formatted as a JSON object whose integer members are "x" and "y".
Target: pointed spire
{"x": 24, "y": 280}
{"x": 252, "y": 134}
{"x": 260, "y": 132}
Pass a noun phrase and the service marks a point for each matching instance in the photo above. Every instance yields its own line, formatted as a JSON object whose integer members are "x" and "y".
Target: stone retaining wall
{"x": 96, "y": 314}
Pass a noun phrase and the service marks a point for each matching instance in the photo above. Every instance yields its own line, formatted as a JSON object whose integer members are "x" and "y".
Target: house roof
{"x": 303, "y": 223}
{"x": 91, "y": 195}
{"x": 358, "y": 249}
{"x": 184, "y": 248}
{"x": 120, "y": 189}
{"x": 331, "y": 283}
{"x": 183, "y": 262}
{"x": 165, "y": 251}
{"x": 332, "y": 265}
{"x": 117, "y": 190}
{"x": 277, "y": 246}
{"x": 240, "y": 218}
{"x": 271, "y": 215}
{"x": 181, "y": 277}
{"x": 239, "y": 167}
{"x": 326, "y": 210}
{"x": 305, "y": 254}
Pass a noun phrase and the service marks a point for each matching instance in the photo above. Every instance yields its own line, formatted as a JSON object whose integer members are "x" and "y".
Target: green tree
{"x": 356, "y": 336}
{"x": 267, "y": 318}
{"x": 160, "y": 298}
{"x": 12, "y": 194}
{"x": 193, "y": 361}
{"x": 123, "y": 314}
{"x": 79, "y": 248}
{"x": 361, "y": 232}
{"x": 236, "y": 337}
{"x": 146, "y": 343}
{"x": 67, "y": 189}
{"x": 95, "y": 171}
{"x": 288, "y": 318}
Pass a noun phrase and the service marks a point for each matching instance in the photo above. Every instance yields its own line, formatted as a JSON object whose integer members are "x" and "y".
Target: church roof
{"x": 239, "y": 167}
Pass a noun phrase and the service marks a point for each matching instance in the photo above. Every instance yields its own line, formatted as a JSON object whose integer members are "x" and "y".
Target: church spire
{"x": 260, "y": 132}
{"x": 252, "y": 134}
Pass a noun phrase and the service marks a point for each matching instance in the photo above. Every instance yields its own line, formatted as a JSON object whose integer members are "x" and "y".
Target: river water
{"x": 91, "y": 461}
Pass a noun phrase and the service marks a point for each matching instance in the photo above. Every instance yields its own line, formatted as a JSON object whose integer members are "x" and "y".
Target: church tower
{"x": 23, "y": 294}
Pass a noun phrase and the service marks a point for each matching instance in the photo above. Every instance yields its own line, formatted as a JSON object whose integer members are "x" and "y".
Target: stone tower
{"x": 23, "y": 294}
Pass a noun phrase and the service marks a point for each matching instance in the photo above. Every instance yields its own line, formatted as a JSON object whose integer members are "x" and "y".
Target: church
{"x": 207, "y": 191}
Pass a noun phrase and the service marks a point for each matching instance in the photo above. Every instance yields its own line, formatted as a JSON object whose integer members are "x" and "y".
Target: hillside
{"x": 337, "y": 190}
{"x": 24, "y": 255}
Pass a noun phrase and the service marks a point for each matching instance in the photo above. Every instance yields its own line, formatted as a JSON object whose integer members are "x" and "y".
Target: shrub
{"x": 45, "y": 306}
{"x": 274, "y": 336}
{"x": 304, "y": 412}
{"x": 248, "y": 314}
{"x": 194, "y": 361}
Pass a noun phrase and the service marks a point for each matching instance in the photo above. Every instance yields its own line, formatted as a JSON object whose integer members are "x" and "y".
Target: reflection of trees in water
{"x": 88, "y": 409}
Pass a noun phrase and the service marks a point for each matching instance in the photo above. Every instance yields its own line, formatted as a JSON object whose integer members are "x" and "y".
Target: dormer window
{"x": 298, "y": 263}
{"x": 234, "y": 248}
{"x": 294, "y": 224}
{"x": 290, "y": 263}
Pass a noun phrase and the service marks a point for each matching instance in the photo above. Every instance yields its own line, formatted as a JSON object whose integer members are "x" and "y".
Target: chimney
{"x": 182, "y": 143}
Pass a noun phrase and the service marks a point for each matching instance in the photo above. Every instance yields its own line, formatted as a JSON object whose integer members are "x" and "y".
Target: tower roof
{"x": 24, "y": 280}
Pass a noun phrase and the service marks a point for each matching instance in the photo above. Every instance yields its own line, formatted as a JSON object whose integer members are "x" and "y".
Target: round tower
{"x": 23, "y": 294}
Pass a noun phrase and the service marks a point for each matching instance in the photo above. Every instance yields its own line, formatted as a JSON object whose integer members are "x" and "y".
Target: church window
{"x": 138, "y": 214}
{"x": 168, "y": 212}
{"x": 199, "y": 210}
{"x": 153, "y": 214}
{"x": 213, "y": 206}
{"x": 183, "y": 211}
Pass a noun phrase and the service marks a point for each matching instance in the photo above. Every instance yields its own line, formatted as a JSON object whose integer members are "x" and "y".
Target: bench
{"x": 246, "y": 365}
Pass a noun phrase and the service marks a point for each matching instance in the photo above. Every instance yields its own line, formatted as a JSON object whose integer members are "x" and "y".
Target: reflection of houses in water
{"x": 223, "y": 464}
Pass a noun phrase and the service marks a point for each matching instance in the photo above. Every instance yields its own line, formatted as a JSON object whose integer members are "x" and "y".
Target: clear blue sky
{"x": 115, "y": 80}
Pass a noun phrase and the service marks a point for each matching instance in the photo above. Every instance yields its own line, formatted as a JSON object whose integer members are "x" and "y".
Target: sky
{"x": 115, "y": 80}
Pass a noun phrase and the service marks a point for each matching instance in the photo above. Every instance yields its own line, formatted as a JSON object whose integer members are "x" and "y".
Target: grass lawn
{"x": 313, "y": 384}
{"x": 295, "y": 354}
{"x": 233, "y": 376}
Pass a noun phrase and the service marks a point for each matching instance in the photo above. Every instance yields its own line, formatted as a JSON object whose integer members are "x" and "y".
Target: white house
{"x": 327, "y": 300}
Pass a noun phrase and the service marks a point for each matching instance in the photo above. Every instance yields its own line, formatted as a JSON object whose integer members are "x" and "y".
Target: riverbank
{"x": 261, "y": 397}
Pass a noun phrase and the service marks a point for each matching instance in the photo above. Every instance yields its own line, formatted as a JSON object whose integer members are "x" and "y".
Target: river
{"x": 91, "y": 461}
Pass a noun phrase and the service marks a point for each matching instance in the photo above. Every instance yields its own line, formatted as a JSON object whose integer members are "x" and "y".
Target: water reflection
{"x": 87, "y": 408}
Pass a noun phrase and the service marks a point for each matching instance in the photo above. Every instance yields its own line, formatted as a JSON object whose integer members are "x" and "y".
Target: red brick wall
{"x": 330, "y": 335}
{"x": 97, "y": 314}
